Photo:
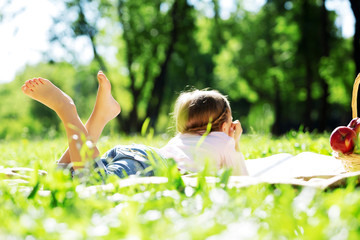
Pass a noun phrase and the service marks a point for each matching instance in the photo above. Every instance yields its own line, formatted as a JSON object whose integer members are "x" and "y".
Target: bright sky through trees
{"x": 24, "y": 38}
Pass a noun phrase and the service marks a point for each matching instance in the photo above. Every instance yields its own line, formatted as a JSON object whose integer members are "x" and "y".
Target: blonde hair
{"x": 195, "y": 109}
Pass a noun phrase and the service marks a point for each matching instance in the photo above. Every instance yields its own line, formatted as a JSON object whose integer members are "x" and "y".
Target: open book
{"x": 285, "y": 165}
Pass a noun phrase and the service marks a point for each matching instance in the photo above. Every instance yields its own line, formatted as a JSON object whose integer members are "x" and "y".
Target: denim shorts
{"x": 126, "y": 160}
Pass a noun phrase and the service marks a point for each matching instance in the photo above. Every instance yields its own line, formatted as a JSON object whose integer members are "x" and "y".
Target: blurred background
{"x": 284, "y": 64}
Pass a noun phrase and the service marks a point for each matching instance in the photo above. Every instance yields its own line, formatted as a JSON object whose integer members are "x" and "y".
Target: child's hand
{"x": 235, "y": 132}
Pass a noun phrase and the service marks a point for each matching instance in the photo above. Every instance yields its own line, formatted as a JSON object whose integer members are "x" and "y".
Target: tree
{"x": 149, "y": 33}
{"x": 151, "y": 38}
{"x": 263, "y": 58}
{"x": 325, "y": 53}
{"x": 281, "y": 58}
{"x": 80, "y": 26}
{"x": 355, "y": 6}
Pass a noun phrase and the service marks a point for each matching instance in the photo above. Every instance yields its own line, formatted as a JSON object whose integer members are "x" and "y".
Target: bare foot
{"x": 106, "y": 107}
{"x": 44, "y": 91}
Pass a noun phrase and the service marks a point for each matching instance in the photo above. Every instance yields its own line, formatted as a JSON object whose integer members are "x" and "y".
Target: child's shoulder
{"x": 219, "y": 134}
{"x": 216, "y": 139}
{"x": 221, "y": 138}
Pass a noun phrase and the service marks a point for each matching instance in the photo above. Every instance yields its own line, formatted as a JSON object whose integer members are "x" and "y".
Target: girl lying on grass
{"x": 197, "y": 141}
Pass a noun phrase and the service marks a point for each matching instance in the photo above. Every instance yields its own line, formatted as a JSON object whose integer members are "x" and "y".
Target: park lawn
{"x": 57, "y": 207}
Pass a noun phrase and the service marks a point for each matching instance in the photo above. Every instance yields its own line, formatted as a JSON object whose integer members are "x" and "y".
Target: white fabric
{"x": 191, "y": 151}
{"x": 285, "y": 165}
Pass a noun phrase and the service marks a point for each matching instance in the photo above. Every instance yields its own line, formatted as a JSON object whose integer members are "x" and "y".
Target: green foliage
{"x": 57, "y": 207}
{"x": 277, "y": 57}
{"x": 282, "y": 67}
{"x": 293, "y": 142}
{"x": 22, "y": 116}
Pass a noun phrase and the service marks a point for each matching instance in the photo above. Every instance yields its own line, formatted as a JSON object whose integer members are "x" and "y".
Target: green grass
{"x": 57, "y": 207}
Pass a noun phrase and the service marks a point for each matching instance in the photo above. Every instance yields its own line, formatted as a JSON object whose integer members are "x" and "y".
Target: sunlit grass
{"x": 58, "y": 207}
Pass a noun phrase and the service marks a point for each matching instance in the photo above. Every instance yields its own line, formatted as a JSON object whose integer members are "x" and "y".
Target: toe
{"x": 101, "y": 76}
{"x": 35, "y": 81}
{"x": 29, "y": 84}
{"x": 38, "y": 81}
{"x": 25, "y": 89}
{"x": 41, "y": 80}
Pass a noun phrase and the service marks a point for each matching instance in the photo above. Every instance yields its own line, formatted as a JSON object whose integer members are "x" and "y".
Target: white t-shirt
{"x": 191, "y": 151}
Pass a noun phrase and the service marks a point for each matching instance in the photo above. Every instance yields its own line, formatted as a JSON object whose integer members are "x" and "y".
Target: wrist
{"x": 237, "y": 146}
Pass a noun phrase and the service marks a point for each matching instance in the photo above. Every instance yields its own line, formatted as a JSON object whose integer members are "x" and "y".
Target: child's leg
{"x": 105, "y": 109}
{"x": 48, "y": 94}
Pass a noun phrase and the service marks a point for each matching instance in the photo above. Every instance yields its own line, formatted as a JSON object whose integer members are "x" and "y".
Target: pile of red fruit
{"x": 345, "y": 139}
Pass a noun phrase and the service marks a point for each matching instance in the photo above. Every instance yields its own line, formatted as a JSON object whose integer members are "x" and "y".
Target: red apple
{"x": 343, "y": 139}
{"x": 355, "y": 125}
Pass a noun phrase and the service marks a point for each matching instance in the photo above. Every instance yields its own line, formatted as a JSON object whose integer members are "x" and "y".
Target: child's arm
{"x": 235, "y": 132}
{"x": 237, "y": 160}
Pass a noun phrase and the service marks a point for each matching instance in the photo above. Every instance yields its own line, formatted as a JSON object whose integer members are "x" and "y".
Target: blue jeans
{"x": 126, "y": 160}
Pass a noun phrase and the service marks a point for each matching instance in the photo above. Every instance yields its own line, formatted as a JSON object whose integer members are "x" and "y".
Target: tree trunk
{"x": 129, "y": 124}
{"x": 325, "y": 53}
{"x": 157, "y": 95}
{"x": 308, "y": 84}
{"x": 90, "y": 31}
{"x": 97, "y": 57}
{"x": 276, "y": 128}
{"x": 217, "y": 40}
{"x": 309, "y": 78}
{"x": 355, "y": 6}
{"x": 276, "y": 100}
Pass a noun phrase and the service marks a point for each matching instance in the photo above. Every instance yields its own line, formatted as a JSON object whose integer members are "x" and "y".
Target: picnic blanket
{"x": 285, "y": 165}
{"x": 305, "y": 169}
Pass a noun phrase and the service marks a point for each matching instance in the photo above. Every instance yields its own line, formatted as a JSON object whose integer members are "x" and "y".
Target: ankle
{"x": 67, "y": 113}
{"x": 65, "y": 108}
